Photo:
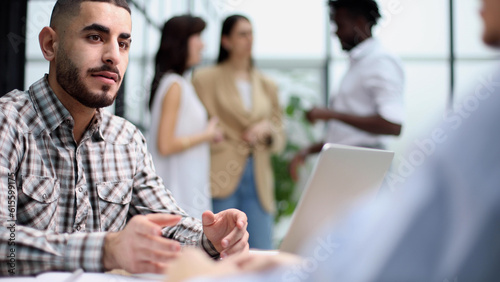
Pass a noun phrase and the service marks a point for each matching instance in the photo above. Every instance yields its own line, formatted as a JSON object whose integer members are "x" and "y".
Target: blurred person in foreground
{"x": 78, "y": 187}
{"x": 246, "y": 103}
{"x": 180, "y": 134}
{"x": 441, "y": 225}
{"x": 368, "y": 107}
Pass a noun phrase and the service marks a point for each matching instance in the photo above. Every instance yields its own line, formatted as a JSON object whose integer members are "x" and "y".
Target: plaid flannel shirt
{"x": 58, "y": 198}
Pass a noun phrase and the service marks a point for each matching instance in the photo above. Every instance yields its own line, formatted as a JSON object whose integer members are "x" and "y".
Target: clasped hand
{"x": 140, "y": 247}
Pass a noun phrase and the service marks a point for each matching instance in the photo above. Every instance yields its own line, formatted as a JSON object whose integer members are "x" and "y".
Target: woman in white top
{"x": 180, "y": 132}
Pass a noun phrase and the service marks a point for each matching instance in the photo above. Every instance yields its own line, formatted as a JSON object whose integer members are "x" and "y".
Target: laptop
{"x": 340, "y": 176}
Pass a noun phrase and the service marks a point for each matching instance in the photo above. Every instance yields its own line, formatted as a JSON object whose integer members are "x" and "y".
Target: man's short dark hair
{"x": 65, "y": 9}
{"x": 364, "y": 8}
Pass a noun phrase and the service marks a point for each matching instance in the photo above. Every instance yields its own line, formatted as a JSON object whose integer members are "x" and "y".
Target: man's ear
{"x": 48, "y": 43}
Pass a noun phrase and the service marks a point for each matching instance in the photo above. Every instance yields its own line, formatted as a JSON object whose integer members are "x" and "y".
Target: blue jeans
{"x": 260, "y": 222}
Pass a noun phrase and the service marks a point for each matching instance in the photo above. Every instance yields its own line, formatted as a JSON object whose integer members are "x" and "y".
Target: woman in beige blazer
{"x": 249, "y": 113}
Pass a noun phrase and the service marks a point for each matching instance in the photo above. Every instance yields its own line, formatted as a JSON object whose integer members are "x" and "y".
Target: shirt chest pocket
{"x": 37, "y": 202}
{"x": 114, "y": 201}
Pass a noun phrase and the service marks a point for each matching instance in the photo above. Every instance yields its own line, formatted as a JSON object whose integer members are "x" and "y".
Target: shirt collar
{"x": 47, "y": 105}
{"x": 52, "y": 111}
{"x": 364, "y": 48}
{"x": 95, "y": 126}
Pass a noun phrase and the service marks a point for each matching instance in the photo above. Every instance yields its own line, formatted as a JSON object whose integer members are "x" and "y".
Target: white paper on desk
{"x": 86, "y": 276}
{"x": 264, "y": 252}
{"x": 18, "y": 279}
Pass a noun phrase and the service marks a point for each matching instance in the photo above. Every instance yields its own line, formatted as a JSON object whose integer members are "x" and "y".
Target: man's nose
{"x": 111, "y": 54}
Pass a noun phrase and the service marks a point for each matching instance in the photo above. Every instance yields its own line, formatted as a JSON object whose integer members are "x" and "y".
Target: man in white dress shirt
{"x": 368, "y": 107}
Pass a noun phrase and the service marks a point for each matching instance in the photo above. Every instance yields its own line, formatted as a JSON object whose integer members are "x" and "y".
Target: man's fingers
{"x": 236, "y": 240}
{"x": 208, "y": 218}
{"x": 140, "y": 247}
{"x": 225, "y": 229}
{"x": 152, "y": 224}
{"x": 155, "y": 248}
{"x": 239, "y": 247}
{"x": 150, "y": 246}
{"x": 164, "y": 219}
{"x": 142, "y": 225}
{"x": 239, "y": 217}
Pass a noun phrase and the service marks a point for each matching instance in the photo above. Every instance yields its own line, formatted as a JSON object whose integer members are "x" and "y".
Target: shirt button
{"x": 80, "y": 189}
{"x": 44, "y": 196}
{"x": 78, "y": 228}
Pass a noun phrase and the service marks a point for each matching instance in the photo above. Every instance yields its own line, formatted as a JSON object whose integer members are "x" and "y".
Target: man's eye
{"x": 94, "y": 37}
{"x": 124, "y": 45}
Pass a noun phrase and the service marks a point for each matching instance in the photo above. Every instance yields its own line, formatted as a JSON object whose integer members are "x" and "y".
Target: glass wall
{"x": 295, "y": 47}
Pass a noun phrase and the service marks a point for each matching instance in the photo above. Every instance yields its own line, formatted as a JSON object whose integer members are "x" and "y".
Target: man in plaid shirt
{"x": 77, "y": 185}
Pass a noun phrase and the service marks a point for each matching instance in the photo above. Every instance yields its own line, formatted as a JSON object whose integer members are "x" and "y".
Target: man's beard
{"x": 67, "y": 76}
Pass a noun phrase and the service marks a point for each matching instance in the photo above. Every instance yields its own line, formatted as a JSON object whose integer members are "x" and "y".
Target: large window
{"x": 294, "y": 46}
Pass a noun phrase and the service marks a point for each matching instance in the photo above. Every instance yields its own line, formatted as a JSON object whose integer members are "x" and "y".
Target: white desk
{"x": 87, "y": 276}
{"x": 112, "y": 276}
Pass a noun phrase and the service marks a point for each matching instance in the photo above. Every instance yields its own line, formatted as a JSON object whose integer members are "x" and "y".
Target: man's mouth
{"x": 107, "y": 75}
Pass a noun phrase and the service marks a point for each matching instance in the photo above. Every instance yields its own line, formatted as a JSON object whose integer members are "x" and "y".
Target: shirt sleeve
{"x": 26, "y": 250}
{"x": 386, "y": 83}
{"x": 151, "y": 196}
{"x": 30, "y": 251}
